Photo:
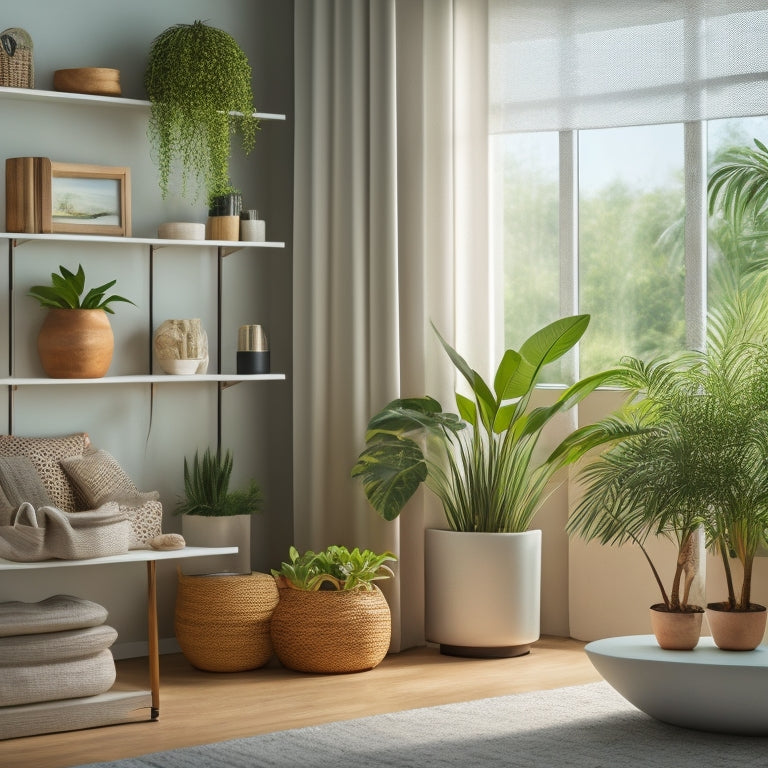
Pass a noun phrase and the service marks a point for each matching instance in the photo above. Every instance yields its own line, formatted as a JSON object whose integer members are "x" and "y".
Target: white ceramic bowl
{"x": 180, "y": 367}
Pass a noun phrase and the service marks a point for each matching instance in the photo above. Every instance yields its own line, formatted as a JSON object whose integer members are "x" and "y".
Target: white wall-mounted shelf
{"x": 157, "y": 242}
{"x": 231, "y": 378}
{"x": 87, "y": 99}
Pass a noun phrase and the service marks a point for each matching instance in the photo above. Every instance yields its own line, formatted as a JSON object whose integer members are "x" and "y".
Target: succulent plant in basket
{"x": 75, "y": 340}
{"x": 334, "y": 568}
{"x": 331, "y": 617}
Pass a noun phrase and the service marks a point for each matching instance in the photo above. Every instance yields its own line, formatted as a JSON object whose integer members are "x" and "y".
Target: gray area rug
{"x": 586, "y": 726}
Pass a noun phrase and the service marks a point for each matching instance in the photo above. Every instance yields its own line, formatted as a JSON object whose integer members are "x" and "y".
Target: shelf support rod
{"x": 220, "y": 290}
{"x": 11, "y": 330}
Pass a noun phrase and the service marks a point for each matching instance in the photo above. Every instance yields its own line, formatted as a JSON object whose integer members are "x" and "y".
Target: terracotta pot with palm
{"x": 75, "y": 340}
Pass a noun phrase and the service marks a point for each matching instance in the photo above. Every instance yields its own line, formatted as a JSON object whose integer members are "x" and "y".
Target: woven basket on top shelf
{"x": 16, "y": 66}
{"x": 331, "y": 631}
{"x": 222, "y": 620}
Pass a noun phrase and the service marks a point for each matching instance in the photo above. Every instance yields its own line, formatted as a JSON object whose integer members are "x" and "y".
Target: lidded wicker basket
{"x": 331, "y": 631}
{"x": 222, "y": 620}
{"x": 16, "y": 65}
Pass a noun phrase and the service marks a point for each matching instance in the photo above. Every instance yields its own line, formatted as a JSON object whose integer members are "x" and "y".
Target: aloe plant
{"x": 483, "y": 463}
{"x": 66, "y": 292}
{"x": 335, "y": 568}
{"x": 206, "y": 488}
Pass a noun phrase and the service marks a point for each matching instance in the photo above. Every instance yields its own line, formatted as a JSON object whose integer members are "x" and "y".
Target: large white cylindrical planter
{"x": 483, "y": 592}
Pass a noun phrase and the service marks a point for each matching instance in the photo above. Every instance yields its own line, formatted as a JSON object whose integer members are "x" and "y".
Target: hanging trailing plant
{"x": 198, "y": 81}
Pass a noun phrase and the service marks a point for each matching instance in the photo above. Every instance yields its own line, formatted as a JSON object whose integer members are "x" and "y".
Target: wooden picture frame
{"x": 46, "y": 196}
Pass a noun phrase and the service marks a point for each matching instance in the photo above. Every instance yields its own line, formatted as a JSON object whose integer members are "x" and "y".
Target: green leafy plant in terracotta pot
{"x": 198, "y": 80}
{"x": 75, "y": 340}
{"x": 330, "y": 616}
{"x": 485, "y": 465}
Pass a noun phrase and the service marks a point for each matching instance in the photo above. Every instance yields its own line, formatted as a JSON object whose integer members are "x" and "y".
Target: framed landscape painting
{"x": 47, "y": 196}
{"x": 87, "y": 199}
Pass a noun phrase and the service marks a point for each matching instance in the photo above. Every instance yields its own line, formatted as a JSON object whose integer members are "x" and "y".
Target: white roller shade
{"x": 569, "y": 64}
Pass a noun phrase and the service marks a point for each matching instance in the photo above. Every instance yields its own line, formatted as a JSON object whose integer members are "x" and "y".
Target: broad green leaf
{"x": 485, "y": 399}
{"x": 467, "y": 409}
{"x": 513, "y": 376}
{"x": 554, "y": 340}
{"x": 391, "y": 471}
{"x": 420, "y": 413}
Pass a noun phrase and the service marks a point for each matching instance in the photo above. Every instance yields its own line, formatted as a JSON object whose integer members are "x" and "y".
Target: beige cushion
{"x": 98, "y": 478}
{"x": 54, "y": 614}
{"x": 73, "y": 678}
{"x": 46, "y": 453}
{"x": 55, "y": 646}
{"x": 20, "y": 482}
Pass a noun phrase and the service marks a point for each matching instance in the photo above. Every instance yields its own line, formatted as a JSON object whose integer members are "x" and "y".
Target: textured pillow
{"x": 70, "y": 679}
{"x": 6, "y": 509}
{"x": 55, "y": 614}
{"x": 146, "y": 521}
{"x": 98, "y": 478}
{"x": 46, "y": 453}
{"x": 20, "y": 482}
{"x": 55, "y": 646}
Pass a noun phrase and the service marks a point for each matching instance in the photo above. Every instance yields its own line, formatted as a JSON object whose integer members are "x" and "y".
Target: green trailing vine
{"x": 198, "y": 81}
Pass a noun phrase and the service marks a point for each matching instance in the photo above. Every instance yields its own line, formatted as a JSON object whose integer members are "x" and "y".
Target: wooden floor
{"x": 201, "y": 707}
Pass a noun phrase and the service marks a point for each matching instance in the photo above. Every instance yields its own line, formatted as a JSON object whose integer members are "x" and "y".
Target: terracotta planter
{"x": 76, "y": 343}
{"x": 222, "y": 620}
{"x": 736, "y": 630}
{"x": 483, "y": 592}
{"x": 675, "y": 630}
{"x": 330, "y": 631}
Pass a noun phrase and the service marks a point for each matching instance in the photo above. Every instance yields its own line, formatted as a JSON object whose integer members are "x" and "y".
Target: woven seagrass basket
{"x": 222, "y": 620}
{"x": 16, "y": 65}
{"x": 331, "y": 631}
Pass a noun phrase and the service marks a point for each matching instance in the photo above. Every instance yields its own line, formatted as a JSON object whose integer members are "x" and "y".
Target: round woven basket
{"x": 331, "y": 631}
{"x": 222, "y": 620}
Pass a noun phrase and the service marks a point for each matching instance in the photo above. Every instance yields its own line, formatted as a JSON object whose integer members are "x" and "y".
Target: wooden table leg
{"x": 152, "y": 637}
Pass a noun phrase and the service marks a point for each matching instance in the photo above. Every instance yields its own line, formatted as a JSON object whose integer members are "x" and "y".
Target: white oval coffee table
{"x": 706, "y": 688}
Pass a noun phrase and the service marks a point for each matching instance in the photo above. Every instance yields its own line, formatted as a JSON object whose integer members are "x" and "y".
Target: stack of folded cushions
{"x": 68, "y": 473}
{"x": 54, "y": 649}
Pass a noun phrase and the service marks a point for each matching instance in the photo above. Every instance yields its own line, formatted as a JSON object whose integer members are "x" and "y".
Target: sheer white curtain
{"x": 390, "y": 232}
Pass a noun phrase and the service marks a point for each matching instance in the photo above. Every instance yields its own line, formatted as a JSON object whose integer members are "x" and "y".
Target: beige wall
{"x": 256, "y": 419}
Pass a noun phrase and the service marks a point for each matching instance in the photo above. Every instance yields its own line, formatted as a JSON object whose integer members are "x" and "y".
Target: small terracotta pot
{"x": 76, "y": 343}
{"x": 676, "y": 630}
{"x": 736, "y": 630}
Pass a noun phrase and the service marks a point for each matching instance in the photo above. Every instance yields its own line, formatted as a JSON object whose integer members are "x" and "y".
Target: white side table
{"x": 706, "y": 689}
{"x": 115, "y": 706}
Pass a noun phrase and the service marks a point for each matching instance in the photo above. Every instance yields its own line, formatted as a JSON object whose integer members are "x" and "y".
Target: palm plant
{"x": 648, "y": 482}
{"x": 482, "y": 463}
{"x": 690, "y": 448}
{"x": 738, "y": 190}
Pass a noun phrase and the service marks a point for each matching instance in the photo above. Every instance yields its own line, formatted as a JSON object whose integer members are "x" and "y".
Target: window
{"x": 617, "y": 114}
